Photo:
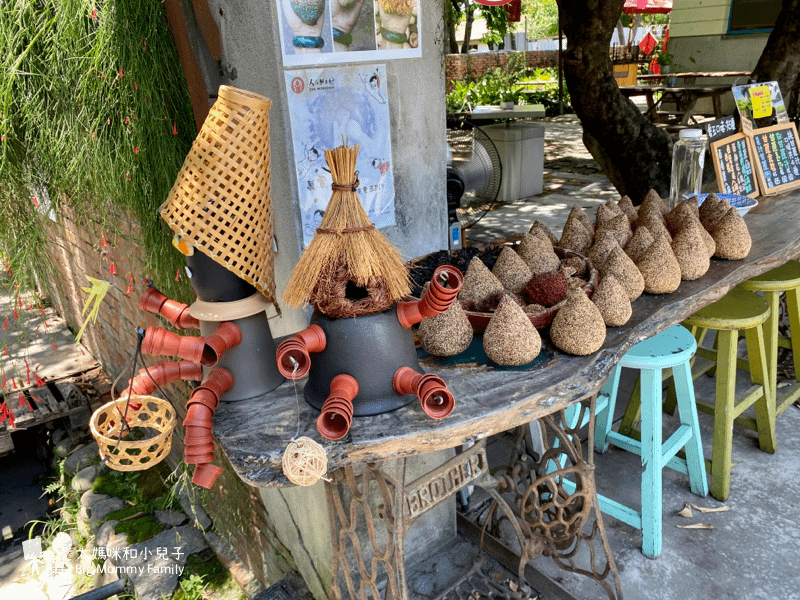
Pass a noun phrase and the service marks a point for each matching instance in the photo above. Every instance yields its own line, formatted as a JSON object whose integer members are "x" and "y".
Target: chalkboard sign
{"x": 720, "y": 128}
{"x": 776, "y": 152}
{"x": 733, "y": 164}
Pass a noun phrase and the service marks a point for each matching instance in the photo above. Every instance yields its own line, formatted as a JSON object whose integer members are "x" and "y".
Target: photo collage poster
{"x": 318, "y": 32}
{"x": 326, "y": 106}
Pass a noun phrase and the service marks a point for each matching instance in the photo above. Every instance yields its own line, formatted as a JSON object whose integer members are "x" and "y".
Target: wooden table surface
{"x": 685, "y": 97}
{"x": 254, "y": 433}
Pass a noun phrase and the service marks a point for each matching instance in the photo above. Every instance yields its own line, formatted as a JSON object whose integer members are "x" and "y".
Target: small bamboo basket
{"x": 148, "y": 415}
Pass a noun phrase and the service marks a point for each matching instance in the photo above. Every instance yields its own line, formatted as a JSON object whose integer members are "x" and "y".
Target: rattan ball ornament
{"x": 304, "y": 461}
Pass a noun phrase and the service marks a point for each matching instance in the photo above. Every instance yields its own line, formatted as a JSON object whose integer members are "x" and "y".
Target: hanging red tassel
{"x": 113, "y": 269}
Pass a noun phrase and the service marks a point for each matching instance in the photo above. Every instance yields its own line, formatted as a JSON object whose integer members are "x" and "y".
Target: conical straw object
{"x": 347, "y": 252}
{"x": 220, "y": 202}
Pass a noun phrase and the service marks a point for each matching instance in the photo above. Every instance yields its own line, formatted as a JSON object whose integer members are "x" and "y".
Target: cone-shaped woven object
{"x": 349, "y": 268}
{"x": 220, "y": 202}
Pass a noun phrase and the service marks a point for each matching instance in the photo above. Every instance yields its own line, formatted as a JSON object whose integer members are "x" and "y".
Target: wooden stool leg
{"x": 632, "y": 416}
{"x": 771, "y": 340}
{"x": 605, "y": 416}
{"x": 793, "y": 308}
{"x": 687, "y": 410}
{"x": 652, "y": 463}
{"x": 765, "y": 405}
{"x": 723, "y": 414}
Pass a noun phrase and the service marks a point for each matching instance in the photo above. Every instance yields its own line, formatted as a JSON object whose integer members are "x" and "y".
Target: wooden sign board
{"x": 733, "y": 164}
{"x": 776, "y": 153}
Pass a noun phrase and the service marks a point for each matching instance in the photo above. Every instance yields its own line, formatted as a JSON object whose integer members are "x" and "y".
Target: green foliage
{"x": 145, "y": 490}
{"x": 89, "y": 98}
{"x": 542, "y": 18}
{"x": 204, "y": 573}
{"x": 502, "y": 84}
{"x": 497, "y": 24}
{"x": 192, "y": 587}
{"x": 139, "y": 529}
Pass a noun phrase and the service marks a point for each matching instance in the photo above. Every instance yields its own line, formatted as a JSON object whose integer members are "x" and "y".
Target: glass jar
{"x": 688, "y": 157}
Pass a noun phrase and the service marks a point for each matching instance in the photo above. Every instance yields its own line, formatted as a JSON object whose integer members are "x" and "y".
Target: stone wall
{"x": 460, "y": 66}
{"x": 236, "y": 509}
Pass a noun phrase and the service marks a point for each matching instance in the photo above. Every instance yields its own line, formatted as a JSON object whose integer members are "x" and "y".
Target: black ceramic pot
{"x": 369, "y": 348}
{"x": 214, "y": 283}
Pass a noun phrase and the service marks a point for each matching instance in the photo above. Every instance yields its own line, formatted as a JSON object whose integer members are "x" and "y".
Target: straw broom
{"x": 346, "y": 237}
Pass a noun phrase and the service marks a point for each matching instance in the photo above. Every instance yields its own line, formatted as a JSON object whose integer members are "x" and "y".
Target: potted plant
{"x": 665, "y": 60}
{"x": 507, "y": 99}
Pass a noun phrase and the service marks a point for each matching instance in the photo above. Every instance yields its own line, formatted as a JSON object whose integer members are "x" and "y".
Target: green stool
{"x": 786, "y": 279}
{"x": 739, "y": 310}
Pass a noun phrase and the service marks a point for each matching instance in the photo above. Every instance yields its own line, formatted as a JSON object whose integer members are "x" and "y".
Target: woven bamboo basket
{"x": 221, "y": 200}
{"x": 146, "y": 415}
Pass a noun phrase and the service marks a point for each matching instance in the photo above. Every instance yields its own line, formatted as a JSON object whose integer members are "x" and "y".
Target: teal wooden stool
{"x": 739, "y": 310}
{"x": 784, "y": 279}
{"x": 670, "y": 349}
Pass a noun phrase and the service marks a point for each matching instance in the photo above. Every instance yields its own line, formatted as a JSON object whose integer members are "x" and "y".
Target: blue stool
{"x": 672, "y": 348}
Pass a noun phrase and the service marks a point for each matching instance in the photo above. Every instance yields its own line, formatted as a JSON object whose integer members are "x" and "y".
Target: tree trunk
{"x": 469, "y": 14}
{"x": 450, "y": 16}
{"x": 780, "y": 60}
{"x": 635, "y": 155}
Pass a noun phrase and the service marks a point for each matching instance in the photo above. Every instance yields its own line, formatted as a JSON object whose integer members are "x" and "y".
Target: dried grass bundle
{"x": 347, "y": 248}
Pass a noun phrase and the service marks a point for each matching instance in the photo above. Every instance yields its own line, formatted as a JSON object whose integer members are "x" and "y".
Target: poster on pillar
{"x": 319, "y": 32}
{"x": 327, "y": 105}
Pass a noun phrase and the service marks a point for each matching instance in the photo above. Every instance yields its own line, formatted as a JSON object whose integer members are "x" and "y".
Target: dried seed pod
{"x": 510, "y": 337}
{"x": 612, "y": 300}
{"x": 578, "y": 327}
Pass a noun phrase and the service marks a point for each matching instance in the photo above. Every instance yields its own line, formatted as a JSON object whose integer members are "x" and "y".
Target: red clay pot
{"x": 336, "y": 415}
{"x": 205, "y": 475}
{"x": 298, "y": 348}
{"x": 436, "y": 400}
{"x": 219, "y": 381}
{"x": 226, "y": 336}
{"x": 160, "y": 341}
{"x": 447, "y": 281}
{"x": 175, "y": 312}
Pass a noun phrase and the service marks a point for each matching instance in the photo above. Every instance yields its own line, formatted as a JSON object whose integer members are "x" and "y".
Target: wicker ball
{"x": 304, "y": 461}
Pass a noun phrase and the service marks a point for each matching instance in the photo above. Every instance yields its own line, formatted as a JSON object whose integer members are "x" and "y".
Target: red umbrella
{"x": 633, "y": 7}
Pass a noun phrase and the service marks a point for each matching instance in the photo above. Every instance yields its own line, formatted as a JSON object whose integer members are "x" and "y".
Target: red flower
{"x": 129, "y": 289}
{"x": 39, "y": 381}
{"x": 103, "y": 241}
{"x": 136, "y": 150}
{"x": 5, "y": 325}
{"x": 94, "y": 14}
{"x": 174, "y": 128}
{"x": 16, "y": 315}
{"x": 128, "y": 175}
{"x": 113, "y": 269}
{"x": 54, "y": 345}
{"x": 135, "y": 86}
{"x": 36, "y": 202}
{"x": 121, "y": 73}
{"x": 177, "y": 274}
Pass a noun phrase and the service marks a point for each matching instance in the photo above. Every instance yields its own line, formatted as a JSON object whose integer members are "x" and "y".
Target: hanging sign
{"x": 648, "y": 43}
{"x": 720, "y": 128}
{"x": 777, "y": 157}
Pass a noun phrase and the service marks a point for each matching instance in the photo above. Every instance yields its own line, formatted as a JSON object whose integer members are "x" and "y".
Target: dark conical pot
{"x": 214, "y": 283}
{"x": 371, "y": 349}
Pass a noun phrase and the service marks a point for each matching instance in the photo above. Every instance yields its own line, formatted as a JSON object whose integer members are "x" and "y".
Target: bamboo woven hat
{"x": 221, "y": 202}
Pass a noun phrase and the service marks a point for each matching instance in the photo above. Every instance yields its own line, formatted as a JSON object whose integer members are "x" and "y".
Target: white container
{"x": 521, "y": 149}
{"x": 688, "y": 157}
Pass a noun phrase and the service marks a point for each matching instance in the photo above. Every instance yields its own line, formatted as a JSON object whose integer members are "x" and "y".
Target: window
{"x": 751, "y": 16}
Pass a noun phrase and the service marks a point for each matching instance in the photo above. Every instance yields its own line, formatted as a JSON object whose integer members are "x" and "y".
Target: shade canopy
{"x": 633, "y": 7}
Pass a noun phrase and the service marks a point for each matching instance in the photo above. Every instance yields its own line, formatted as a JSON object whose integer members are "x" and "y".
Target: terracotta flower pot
{"x": 436, "y": 400}
{"x": 336, "y": 415}
{"x": 205, "y": 475}
{"x": 159, "y": 341}
{"x": 293, "y": 355}
{"x": 226, "y": 336}
{"x": 175, "y": 312}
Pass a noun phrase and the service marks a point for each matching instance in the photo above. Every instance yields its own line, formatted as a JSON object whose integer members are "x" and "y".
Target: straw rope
{"x": 347, "y": 249}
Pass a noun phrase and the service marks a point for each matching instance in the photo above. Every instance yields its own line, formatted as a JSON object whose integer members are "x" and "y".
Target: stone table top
{"x": 254, "y": 433}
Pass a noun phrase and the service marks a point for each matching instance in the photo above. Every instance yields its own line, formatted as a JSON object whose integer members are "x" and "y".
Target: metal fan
{"x": 474, "y": 174}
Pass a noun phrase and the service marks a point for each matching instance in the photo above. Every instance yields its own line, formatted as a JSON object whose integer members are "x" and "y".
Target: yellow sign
{"x": 762, "y": 101}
